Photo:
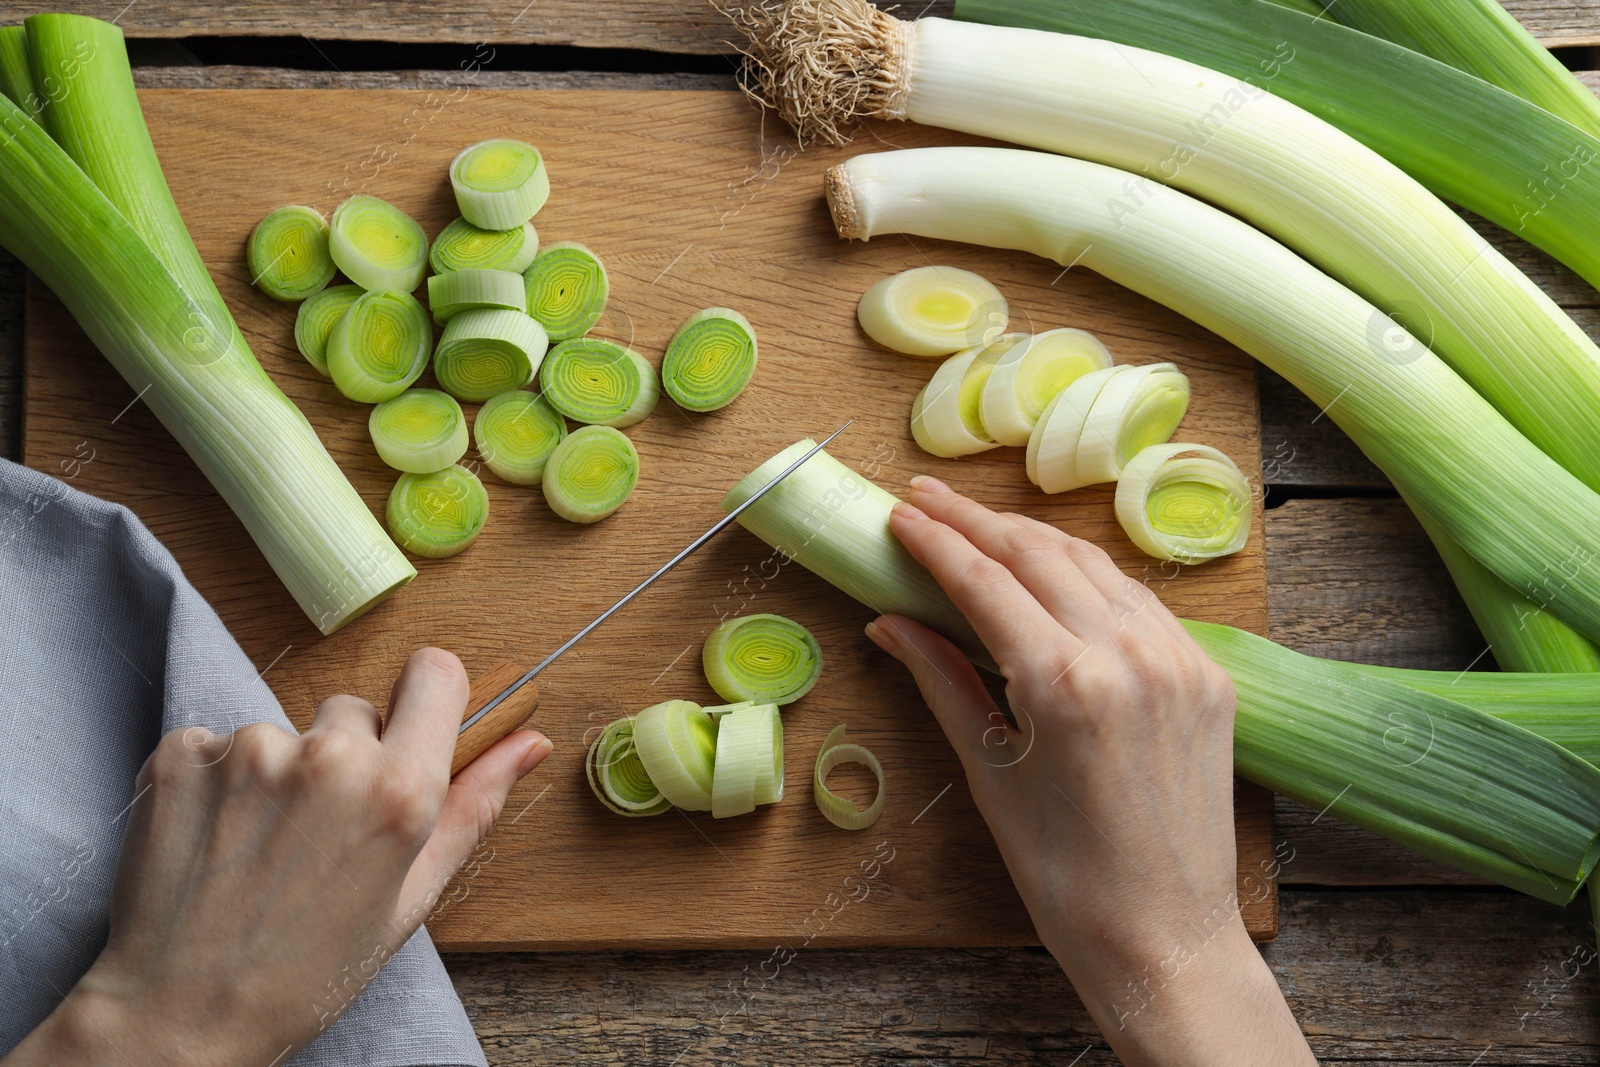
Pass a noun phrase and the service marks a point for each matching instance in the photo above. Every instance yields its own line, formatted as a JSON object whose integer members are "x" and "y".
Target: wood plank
{"x": 689, "y": 26}
{"x": 1358, "y": 580}
{"x": 676, "y": 198}
{"x": 1434, "y": 977}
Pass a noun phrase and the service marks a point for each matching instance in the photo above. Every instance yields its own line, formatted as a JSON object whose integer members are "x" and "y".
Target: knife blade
{"x": 503, "y": 699}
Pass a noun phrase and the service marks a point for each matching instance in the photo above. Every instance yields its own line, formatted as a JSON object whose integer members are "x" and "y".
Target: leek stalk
{"x": 1510, "y": 505}
{"x": 128, "y": 273}
{"x": 16, "y": 78}
{"x": 1484, "y": 39}
{"x": 1443, "y": 777}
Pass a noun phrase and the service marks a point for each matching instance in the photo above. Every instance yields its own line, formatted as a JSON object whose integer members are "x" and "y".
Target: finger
{"x": 948, "y": 682}
{"x": 1130, "y": 601}
{"x": 476, "y": 798}
{"x": 348, "y": 713}
{"x": 1046, "y": 571}
{"x": 1007, "y": 618}
{"x": 425, "y": 709}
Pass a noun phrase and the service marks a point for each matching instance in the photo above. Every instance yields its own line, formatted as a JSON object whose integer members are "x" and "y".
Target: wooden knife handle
{"x": 509, "y": 714}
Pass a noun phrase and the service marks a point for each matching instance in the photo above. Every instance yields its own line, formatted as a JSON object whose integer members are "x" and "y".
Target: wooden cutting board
{"x": 691, "y": 202}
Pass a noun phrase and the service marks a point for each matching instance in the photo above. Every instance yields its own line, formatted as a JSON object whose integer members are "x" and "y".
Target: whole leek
{"x": 1440, "y": 776}
{"x": 146, "y": 302}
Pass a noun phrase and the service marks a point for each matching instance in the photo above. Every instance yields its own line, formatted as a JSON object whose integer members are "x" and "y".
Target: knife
{"x": 502, "y": 699}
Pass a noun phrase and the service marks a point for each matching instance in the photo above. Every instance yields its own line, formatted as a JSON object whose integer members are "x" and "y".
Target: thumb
{"x": 471, "y": 807}
{"x": 950, "y": 684}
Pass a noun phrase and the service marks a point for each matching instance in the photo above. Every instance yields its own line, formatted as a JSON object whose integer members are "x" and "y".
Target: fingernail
{"x": 884, "y": 638}
{"x": 535, "y": 754}
{"x": 906, "y": 511}
{"x": 930, "y": 485}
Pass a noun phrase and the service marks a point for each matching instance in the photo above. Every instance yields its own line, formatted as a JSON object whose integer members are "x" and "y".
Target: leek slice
{"x": 566, "y": 288}
{"x": 420, "y": 431}
{"x": 765, "y": 658}
{"x": 617, "y": 775}
{"x": 749, "y": 764}
{"x": 1508, "y": 503}
{"x": 1185, "y": 503}
{"x": 677, "y": 743}
{"x": 933, "y": 311}
{"x": 315, "y": 319}
{"x": 379, "y": 347}
{"x": 839, "y": 810}
{"x": 499, "y": 184}
{"x": 439, "y": 514}
{"x": 946, "y": 416}
{"x": 90, "y": 214}
{"x": 515, "y": 432}
{"x": 1029, "y": 375}
{"x": 590, "y": 474}
{"x": 377, "y": 245}
{"x": 1090, "y": 432}
{"x": 462, "y": 246}
{"x": 599, "y": 382}
{"x": 1485, "y": 796}
{"x": 709, "y": 360}
{"x": 288, "y": 253}
{"x": 455, "y": 291}
{"x": 487, "y": 351}
{"x": 855, "y": 550}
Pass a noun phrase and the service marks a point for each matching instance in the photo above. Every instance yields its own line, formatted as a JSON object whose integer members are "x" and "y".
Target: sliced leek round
{"x": 749, "y": 762}
{"x": 933, "y": 311}
{"x": 315, "y": 319}
{"x": 1027, "y": 376}
{"x": 437, "y": 515}
{"x": 377, "y": 245}
{"x": 420, "y": 431}
{"x": 288, "y": 253}
{"x": 599, "y": 382}
{"x": 677, "y": 743}
{"x": 451, "y": 293}
{"x": 515, "y": 432}
{"x": 590, "y": 474}
{"x": 946, "y": 419}
{"x": 1099, "y": 422}
{"x": 841, "y": 811}
{"x": 566, "y": 289}
{"x": 617, "y": 775}
{"x": 487, "y": 351}
{"x": 379, "y": 346}
{"x": 765, "y": 658}
{"x": 499, "y": 184}
{"x": 1185, "y": 503}
{"x": 462, "y": 246}
{"x": 709, "y": 360}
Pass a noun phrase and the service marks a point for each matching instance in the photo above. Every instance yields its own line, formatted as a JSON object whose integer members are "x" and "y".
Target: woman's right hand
{"x": 1112, "y": 800}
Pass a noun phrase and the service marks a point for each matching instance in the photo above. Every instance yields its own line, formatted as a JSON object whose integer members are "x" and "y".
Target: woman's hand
{"x": 1112, "y": 797}
{"x": 265, "y": 878}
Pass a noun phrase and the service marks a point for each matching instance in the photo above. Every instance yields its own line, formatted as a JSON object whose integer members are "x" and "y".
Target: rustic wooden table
{"x": 1385, "y": 957}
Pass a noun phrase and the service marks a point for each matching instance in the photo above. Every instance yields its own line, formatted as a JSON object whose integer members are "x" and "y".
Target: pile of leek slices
{"x": 512, "y": 313}
{"x": 727, "y": 759}
{"x": 1084, "y": 419}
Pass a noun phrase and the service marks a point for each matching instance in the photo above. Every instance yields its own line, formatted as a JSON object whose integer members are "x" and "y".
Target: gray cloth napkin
{"x": 104, "y": 646}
